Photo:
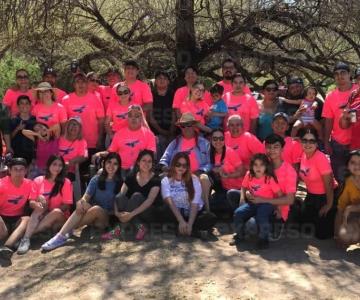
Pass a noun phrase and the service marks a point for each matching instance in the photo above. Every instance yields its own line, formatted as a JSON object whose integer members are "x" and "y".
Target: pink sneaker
{"x": 141, "y": 232}
{"x": 112, "y": 234}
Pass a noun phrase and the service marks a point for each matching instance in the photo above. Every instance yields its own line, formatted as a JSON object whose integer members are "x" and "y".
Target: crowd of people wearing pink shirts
{"x": 129, "y": 153}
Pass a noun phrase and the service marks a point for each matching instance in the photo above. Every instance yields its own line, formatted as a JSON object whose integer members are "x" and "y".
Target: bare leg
{"x": 4, "y": 233}
{"x": 297, "y": 125}
{"x": 18, "y": 232}
{"x": 96, "y": 216}
{"x": 318, "y": 127}
{"x": 54, "y": 218}
{"x": 205, "y": 186}
{"x": 33, "y": 223}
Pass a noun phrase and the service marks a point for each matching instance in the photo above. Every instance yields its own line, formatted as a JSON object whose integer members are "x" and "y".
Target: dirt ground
{"x": 168, "y": 267}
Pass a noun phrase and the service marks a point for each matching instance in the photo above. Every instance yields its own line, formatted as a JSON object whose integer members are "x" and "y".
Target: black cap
{"x": 281, "y": 115}
{"x": 341, "y": 66}
{"x": 18, "y": 161}
{"x": 295, "y": 80}
{"x": 49, "y": 71}
{"x": 357, "y": 72}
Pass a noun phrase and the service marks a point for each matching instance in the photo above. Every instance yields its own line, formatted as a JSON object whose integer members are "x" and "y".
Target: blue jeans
{"x": 262, "y": 213}
{"x": 339, "y": 156}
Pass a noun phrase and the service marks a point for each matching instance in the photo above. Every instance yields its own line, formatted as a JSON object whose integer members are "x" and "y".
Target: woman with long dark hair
{"x": 96, "y": 205}
{"x": 50, "y": 198}
{"x": 181, "y": 192}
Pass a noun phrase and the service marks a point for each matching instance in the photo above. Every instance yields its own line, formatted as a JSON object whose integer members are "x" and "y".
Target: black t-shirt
{"x": 22, "y": 146}
{"x": 134, "y": 187}
{"x": 162, "y": 109}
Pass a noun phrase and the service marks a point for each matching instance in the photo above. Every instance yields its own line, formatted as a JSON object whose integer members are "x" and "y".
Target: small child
{"x": 22, "y": 146}
{"x": 260, "y": 181}
{"x": 218, "y": 110}
{"x": 308, "y": 107}
{"x": 347, "y": 222}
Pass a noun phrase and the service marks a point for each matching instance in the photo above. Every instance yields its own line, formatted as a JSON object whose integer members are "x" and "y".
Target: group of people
{"x": 184, "y": 157}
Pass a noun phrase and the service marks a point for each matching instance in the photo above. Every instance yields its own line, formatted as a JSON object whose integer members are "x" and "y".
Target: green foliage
{"x": 12, "y": 62}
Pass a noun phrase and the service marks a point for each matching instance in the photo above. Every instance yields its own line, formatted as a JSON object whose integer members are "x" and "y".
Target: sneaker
{"x": 24, "y": 246}
{"x": 278, "y": 227}
{"x": 262, "y": 244}
{"x": 112, "y": 234}
{"x": 237, "y": 239}
{"x": 6, "y": 252}
{"x": 55, "y": 242}
{"x": 141, "y": 232}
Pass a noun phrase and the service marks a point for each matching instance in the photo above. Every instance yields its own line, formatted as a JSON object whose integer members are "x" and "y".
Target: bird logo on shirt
{"x": 234, "y": 108}
{"x": 66, "y": 151}
{"x": 255, "y": 187}
{"x": 188, "y": 151}
{"x": 132, "y": 144}
{"x": 200, "y": 112}
{"x": 305, "y": 171}
{"x": 80, "y": 109}
{"x": 235, "y": 147}
{"x": 46, "y": 194}
{"x": 121, "y": 116}
{"x": 46, "y": 118}
{"x": 15, "y": 200}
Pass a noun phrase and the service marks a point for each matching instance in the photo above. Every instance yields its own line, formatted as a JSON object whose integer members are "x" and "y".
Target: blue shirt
{"x": 103, "y": 198}
{"x": 219, "y": 107}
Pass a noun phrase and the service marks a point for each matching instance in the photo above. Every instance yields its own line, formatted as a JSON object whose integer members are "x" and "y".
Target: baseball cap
{"x": 281, "y": 115}
{"x": 295, "y": 80}
{"x": 341, "y": 66}
{"x": 49, "y": 71}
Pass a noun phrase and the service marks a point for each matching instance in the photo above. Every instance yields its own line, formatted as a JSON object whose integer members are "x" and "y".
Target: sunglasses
{"x": 22, "y": 77}
{"x": 180, "y": 165}
{"x": 269, "y": 89}
{"x": 308, "y": 141}
{"x": 218, "y": 138}
{"x": 186, "y": 125}
{"x": 125, "y": 92}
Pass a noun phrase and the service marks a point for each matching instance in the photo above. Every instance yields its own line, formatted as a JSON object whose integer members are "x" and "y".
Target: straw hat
{"x": 43, "y": 86}
{"x": 186, "y": 118}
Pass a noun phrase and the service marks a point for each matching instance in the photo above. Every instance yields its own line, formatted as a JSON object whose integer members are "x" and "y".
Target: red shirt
{"x": 12, "y": 198}
{"x": 261, "y": 187}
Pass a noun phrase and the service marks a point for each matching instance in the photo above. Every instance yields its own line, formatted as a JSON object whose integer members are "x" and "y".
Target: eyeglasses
{"x": 269, "y": 89}
{"x": 308, "y": 141}
{"x": 200, "y": 90}
{"x": 180, "y": 165}
{"x": 186, "y": 125}
{"x": 125, "y": 92}
{"x": 235, "y": 124}
{"x": 22, "y": 77}
{"x": 218, "y": 138}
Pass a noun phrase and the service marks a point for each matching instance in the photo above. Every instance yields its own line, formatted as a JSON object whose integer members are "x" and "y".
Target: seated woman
{"x": 226, "y": 174}
{"x": 50, "y": 198}
{"x": 96, "y": 205}
{"x": 316, "y": 172}
{"x": 181, "y": 192}
{"x": 137, "y": 196}
{"x": 197, "y": 149}
{"x": 347, "y": 222}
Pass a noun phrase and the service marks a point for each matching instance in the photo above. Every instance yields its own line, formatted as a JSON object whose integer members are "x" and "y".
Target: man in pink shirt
{"x": 90, "y": 110}
{"x": 229, "y": 69}
{"x": 112, "y": 76}
{"x": 337, "y": 139}
{"x": 50, "y": 76}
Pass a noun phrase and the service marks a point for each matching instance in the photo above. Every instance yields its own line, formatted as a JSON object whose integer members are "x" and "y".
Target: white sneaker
{"x": 24, "y": 246}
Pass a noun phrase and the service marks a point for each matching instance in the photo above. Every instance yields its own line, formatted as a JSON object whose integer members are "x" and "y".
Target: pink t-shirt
{"x": 43, "y": 187}
{"x": 50, "y": 114}
{"x": 140, "y": 92}
{"x": 246, "y": 145}
{"x": 229, "y": 88}
{"x": 188, "y": 145}
{"x": 11, "y": 96}
{"x": 292, "y": 151}
{"x": 312, "y": 170}
{"x": 287, "y": 180}
{"x": 44, "y": 149}
{"x": 230, "y": 163}
{"x": 107, "y": 94}
{"x": 128, "y": 143}
{"x": 332, "y": 110}
{"x": 198, "y": 109}
{"x": 261, "y": 187}
{"x": 118, "y": 115}
{"x": 59, "y": 94}
{"x": 12, "y": 198}
{"x": 355, "y": 136}
{"x": 90, "y": 109}
{"x": 72, "y": 149}
{"x": 182, "y": 94}
{"x": 245, "y": 106}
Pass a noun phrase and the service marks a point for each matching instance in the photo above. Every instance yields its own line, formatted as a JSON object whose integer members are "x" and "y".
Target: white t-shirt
{"x": 176, "y": 190}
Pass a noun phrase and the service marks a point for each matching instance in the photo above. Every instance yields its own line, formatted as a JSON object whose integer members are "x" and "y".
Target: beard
{"x": 228, "y": 76}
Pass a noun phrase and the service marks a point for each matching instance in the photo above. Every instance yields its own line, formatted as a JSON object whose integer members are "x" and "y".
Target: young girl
{"x": 137, "y": 197}
{"x": 50, "y": 198}
{"x": 259, "y": 181}
{"x": 308, "y": 115}
{"x": 347, "y": 223}
{"x": 116, "y": 114}
{"x": 96, "y": 205}
{"x": 181, "y": 192}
